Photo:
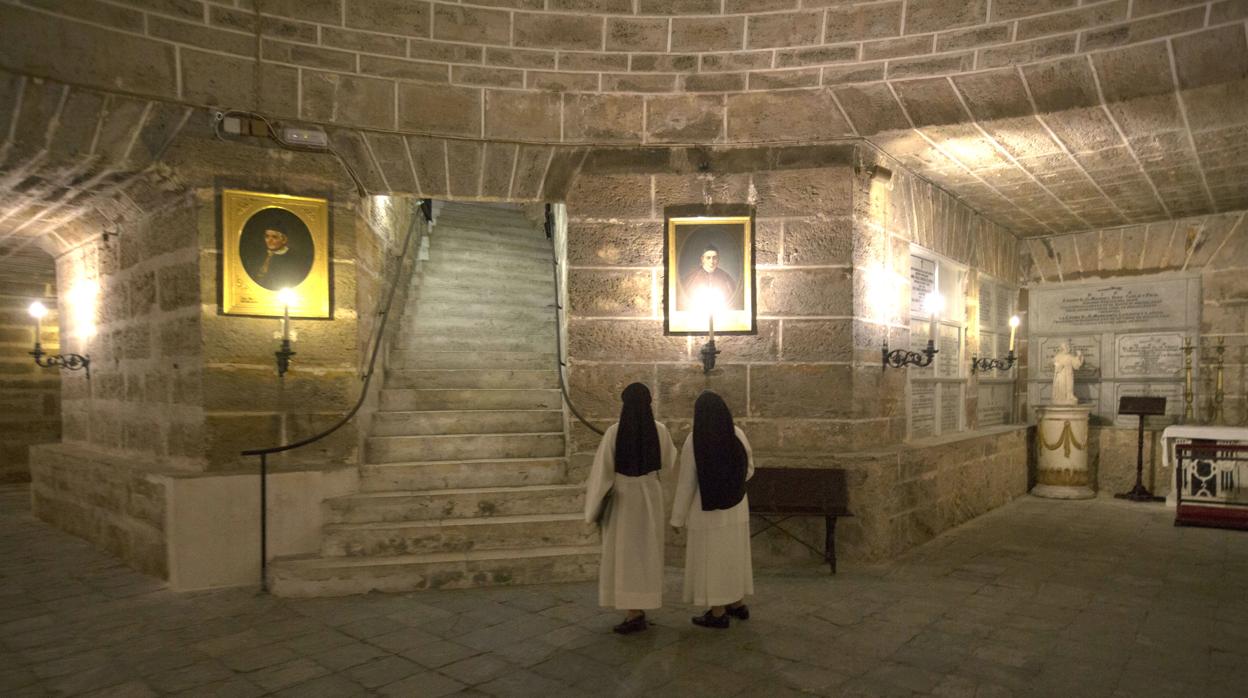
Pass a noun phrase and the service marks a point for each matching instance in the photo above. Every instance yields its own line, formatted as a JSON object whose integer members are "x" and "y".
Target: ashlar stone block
{"x": 800, "y": 390}
{"x": 612, "y": 293}
{"x": 805, "y": 292}
{"x": 678, "y": 387}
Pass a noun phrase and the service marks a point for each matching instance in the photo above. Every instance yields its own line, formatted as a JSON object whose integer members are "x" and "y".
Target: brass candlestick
{"x": 1187, "y": 385}
{"x": 1219, "y": 391}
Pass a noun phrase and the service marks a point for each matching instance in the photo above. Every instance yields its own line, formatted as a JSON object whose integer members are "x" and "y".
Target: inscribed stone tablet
{"x": 1150, "y": 355}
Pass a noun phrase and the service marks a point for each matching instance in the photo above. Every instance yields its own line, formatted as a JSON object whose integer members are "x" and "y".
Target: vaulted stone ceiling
{"x": 1045, "y": 115}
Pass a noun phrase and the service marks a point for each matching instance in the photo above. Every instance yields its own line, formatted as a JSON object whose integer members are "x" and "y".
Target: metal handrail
{"x": 559, "y": 365}
{"x": 368, "y": 376}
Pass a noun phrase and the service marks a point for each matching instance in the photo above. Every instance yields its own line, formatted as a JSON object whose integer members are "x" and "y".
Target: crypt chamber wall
{"x": 1018, "y": 148}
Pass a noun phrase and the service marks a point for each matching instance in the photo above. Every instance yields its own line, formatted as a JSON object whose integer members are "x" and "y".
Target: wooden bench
{"x": 789, "y": 492}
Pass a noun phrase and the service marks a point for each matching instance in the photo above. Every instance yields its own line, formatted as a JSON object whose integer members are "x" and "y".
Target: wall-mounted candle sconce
{"x": 1005, "y": 364}
{"x": 70, "y": 362}
{"x": 710, "y": 300}
{"x": 933, "y": 303}
{"x": 287, "y": 297}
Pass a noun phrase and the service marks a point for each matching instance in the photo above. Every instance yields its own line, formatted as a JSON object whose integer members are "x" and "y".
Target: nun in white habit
{"x": 624, "y": 490}
{"x": 710, "y": 499}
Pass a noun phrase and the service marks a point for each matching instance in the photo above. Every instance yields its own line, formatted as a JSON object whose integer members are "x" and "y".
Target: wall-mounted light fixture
{"x": 933, "y": 303}
{"x": 881, "y": 175}
{"x": 1005, "y": 364}
{"x": 710, "y": 301}
{"x": 69, "y": 362}
{"x": 287, "y": 297}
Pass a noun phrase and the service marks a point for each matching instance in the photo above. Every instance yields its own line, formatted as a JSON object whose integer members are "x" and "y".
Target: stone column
{"x": 1062, "y": 444}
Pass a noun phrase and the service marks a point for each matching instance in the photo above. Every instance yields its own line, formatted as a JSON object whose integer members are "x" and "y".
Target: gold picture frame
{"x": 726, "y": 239}
{"x": 270, "y": 242}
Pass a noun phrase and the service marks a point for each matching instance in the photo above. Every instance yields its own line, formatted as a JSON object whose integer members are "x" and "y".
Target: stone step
{"x": 411, "y": 400}
{"x": 456, "y": 248}
{"x": 469, "y": 281}
{"x": 424, "y": 341}
{"x": 317, "y": 576}
{"x": 473, "y": 378}
{"x": 478, "y": 502}
{"x": 481, "y": 218}
{"x": 451, "y": 324}
{"x": 516, "y": 472}
{"x": 427, "y": 309}
{"x": 501, "y": 294}
{"x": 508, "y": 237}
{"x": 457, "y": 535}
{"x": 409, "y": 449}
{"x": 466, "y": 422}
{"x": 408, "y": 358}
{"x": 436, "y": 269}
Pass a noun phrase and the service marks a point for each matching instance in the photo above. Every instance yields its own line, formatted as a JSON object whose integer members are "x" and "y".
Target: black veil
{"x": 637, "y": 449}
{"x": 720, "y": 456}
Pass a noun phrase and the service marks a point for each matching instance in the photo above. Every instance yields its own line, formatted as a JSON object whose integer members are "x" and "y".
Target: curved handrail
{"x": 368, "y": 376}
{"x": 559, "y": 365}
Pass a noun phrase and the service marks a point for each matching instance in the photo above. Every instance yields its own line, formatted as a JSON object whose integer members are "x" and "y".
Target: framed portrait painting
{"x": 709, "y": 271}
{"x": 271, "y": 242}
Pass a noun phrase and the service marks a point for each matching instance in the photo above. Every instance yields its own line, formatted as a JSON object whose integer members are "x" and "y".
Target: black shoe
{"x": 632, "y": 626}
{"x": 709, "y": 620}
{"x": 741, "y": 612}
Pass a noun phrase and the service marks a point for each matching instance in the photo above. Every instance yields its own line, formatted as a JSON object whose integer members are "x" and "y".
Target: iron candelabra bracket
{"x": 900, "y": 358}
{"x": 68, "y": 362}
{"x": 283, "y": 357}
{"x": 986, "y": 364}
{"x": 708, "y": 353}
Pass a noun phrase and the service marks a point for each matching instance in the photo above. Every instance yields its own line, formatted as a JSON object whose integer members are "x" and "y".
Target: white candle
{"x": 711, "y": 324}
{"x": 1013, "y": 327}
{"x": 37, "y": 311}
{"x": 934, "y": 302}
{"x": 286, "y": 296}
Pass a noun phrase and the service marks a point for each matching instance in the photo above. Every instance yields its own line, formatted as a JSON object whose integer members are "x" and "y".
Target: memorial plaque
{"x": 1150, "y": 355}
{"x": 988, "y": 345}
{"x": 950, "y": 407}
{"x": 949, "y": 359}
{"x": 1090, "y": 346}
{"x": 1136, "y": 404}
{"x": 987, "y": 301}
{"x": 1004, "y": 308}
{"x": 1131, "y": 305}
{"x": 922, "y": 282}
{"x": 922, "y": 410}
{"x": 994, "y": 403}
{"x": 1172, "y": 392}
{"x": 920, "y": 331}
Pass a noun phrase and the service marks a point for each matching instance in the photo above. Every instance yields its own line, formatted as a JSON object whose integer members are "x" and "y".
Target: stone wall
{"x": 132, "y": 303}
{"x": 177, "y": 389}
{"x": 1216, "y": 246}
{"x": 807, "y": 389}
{"x": 30, "y": 409}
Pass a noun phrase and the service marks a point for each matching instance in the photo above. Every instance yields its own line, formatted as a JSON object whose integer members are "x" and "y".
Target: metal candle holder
{"x": 1219, "y": 391}
{"x": 709, "y": 352}
{"x": 283, "y": 357}
{"x": 1188, "y": 394}
{"x": 900, "y": 358}
{"x": 1005, "y": 364}
{"x": 69, "y": 362}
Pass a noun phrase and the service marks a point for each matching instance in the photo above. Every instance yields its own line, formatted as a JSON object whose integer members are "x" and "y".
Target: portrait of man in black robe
{"x": 276, "y": 249}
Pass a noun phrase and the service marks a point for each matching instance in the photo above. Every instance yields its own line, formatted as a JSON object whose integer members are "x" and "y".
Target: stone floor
{"x": 1092, "y": 598}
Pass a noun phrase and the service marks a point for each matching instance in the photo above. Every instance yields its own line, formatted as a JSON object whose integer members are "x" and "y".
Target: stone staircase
{"x": 465, "y": 481}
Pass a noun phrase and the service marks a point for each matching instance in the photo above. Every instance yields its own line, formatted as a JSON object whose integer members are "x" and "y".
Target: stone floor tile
{"x": 129, "y": 689}
{"x": 287, "y": 674}
{"x": 477, "y": 670}
{"x": 382, "y": 671}
{"x": 438, "y": 653}
{"x": 347, "y": 656}
{"x": 331, "y": 686}
{"x": 423, "y": 685}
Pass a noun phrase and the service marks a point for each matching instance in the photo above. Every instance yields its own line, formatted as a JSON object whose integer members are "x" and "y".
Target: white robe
{"x": 630, "y": 576}
{"x": 718, "y": 569}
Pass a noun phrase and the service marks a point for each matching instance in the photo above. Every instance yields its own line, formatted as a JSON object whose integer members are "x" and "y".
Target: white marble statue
{"x": 1064, "y": 366}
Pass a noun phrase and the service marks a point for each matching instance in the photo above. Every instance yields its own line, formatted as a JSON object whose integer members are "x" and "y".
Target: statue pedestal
{"x": 1062, "y": 446}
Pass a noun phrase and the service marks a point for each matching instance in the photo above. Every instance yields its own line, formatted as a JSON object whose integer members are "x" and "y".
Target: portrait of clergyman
{"x": 709, "y": 269}
{"x": 271, "y": 242}
{"x": 276, "y": 249}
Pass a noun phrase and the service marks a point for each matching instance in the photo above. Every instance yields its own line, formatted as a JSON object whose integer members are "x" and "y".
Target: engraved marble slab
{"x": 922, "y": 410}
{"x": 1136, "y": 304}
{"x": 1150, "y": 355}
{"x": 994, "y": 403}
{"x": 1090, "y": 345}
